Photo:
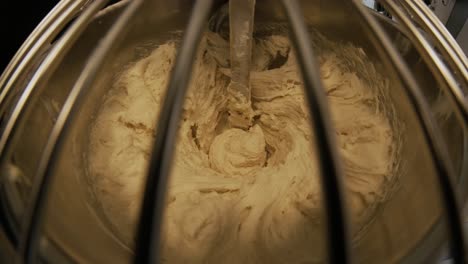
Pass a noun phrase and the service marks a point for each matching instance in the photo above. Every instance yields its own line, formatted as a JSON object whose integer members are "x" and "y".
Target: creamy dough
{"x": 238, "y": 196}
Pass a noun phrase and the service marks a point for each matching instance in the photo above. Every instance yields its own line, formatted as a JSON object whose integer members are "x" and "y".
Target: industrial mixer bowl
{"x": 409, "y": 226}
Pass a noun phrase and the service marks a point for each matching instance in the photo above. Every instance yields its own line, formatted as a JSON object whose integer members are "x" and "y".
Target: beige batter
{"x": 238, "y": 196}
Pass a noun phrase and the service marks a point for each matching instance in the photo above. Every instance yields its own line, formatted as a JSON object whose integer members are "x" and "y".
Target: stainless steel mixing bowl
{"x": 410, "y": 227}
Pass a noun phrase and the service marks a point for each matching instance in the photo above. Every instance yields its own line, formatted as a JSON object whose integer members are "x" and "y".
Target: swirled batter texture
{"x": 240, "y": 196}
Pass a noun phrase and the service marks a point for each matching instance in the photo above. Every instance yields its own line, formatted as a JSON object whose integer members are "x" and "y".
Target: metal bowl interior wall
{"x": 73, "y": 218}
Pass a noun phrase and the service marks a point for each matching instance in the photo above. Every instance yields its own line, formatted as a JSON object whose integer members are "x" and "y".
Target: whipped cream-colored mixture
{"x": 241, "y": 196}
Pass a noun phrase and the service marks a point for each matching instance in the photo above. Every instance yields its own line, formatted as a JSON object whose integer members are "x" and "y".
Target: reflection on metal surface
{"x": 62, "y": 223}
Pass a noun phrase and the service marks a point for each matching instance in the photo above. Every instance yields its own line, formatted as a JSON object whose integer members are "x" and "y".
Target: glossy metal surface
{"x": 70, "y": 218}
{"x": 431, "y": 24}
{"x": 331, "y": 170}
{"x": 33, "y": 234}
{"x": 63, "y": 13}
{"x": 36, "y": 43}
{"x": 457, "y": 90}
{"x": 34, "y": 215}
{"x": 443, "y": 74}
{"x": 445, "y": 172}
{"x": 151, "y": 216}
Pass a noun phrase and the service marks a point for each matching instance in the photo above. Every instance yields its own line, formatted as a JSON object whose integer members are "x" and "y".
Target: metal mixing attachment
{"x": 44, "y": 208}
{"x": 241, "y": 15}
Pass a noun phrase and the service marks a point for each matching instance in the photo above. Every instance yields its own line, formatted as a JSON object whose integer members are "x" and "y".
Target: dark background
{"x": 18, "y": 20}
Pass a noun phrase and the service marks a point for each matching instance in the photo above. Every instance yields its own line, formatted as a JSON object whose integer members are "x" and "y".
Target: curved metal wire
{"x": 149, "y": 228}
{"x": 55, "y": 141}
{"x": 49, "y": 27}
{"x": 331, "y": 171}
{"x": 34, "y": 213}
{"x": 150, "y": 222}
{"x": 40, "y": 77}
{"x": 432, "y": 137}
{"x": 64, "y": 120}
{"x": 426, "y": 18}
{"x": 435, "y": 63}
{"x": 33, "y": 38}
